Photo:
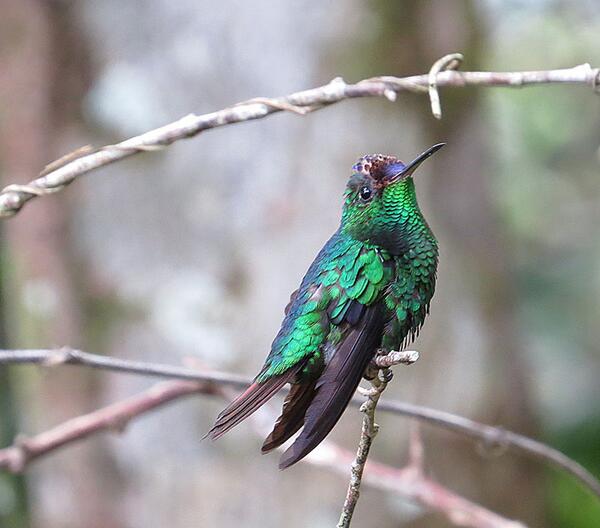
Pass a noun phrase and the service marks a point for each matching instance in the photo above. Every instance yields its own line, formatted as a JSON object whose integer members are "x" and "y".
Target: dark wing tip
{"x": 292, "y": 416}
{"x": 249, "y": 401}
{"x": 337, "y": 384}
{"x": 292, "y": 455}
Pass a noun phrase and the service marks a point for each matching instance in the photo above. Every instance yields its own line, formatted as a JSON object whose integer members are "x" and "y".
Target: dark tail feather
{"x": 292, "y": 416}
{"x": 248, "y": 402}
{"x": 336, "y": 385}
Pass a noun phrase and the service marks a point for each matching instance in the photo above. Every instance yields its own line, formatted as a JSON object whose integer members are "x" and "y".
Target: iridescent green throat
{"x": 392, "y": 222}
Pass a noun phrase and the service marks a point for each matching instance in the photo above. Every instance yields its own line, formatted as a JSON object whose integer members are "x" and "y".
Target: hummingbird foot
{"x": 386, "y": 375}
{"x": 384, "y": 359}
{"x": 372, "y": 370}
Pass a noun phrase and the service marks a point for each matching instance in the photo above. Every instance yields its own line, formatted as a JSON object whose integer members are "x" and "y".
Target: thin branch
{"x": 431, "y": 494}
{"x": 114, "y": 418}
{"x": 448, "y": 62}
{"x": 368, "y": 433}
{"x": 396, "y": 357}
{"x": 70, "y": 167}
{"x": 495, "y": 439}
{"x": 380, "y": 374}
{"x": 411, "y": 483}
{"x": 489, "y": 435}
{"x": 71, "y": 356}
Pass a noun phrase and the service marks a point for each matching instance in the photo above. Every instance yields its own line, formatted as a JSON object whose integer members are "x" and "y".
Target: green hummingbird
{"x": 368, "y": 290}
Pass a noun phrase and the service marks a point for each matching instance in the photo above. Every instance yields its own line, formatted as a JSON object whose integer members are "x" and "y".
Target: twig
{"x": 367, "y": 435}
{"x": 416, "y": 450}
{"x": 414, "y": 486}
{"x": 369, "y": 428}
{"x": 432, "y": 494}
{"x": 71, "y": 356}
{"x": 408, "y": 482}
{"x": 411, "y": 483}
{"x": 435, "y": 497}
{"x": 112, "y": 418}
{"x": 396, "y": 357}
{"x": 496, "y": 439}
{"x": 74, "y": 165}
{"x": 491, "y": 436}
{"x": 447, "y": 62}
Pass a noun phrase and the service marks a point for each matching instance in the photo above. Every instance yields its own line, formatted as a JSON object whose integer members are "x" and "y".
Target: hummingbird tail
{"x": 335, "y": 387}
{"x": 248, "y": 402}
{"x": 292, "y": 416}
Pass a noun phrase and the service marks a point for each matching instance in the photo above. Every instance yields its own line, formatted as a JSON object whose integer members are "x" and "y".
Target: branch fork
{"x": 379, "y": 374}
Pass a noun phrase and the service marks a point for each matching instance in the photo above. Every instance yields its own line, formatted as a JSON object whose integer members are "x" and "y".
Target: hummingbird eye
{"x": 365, "y": 193}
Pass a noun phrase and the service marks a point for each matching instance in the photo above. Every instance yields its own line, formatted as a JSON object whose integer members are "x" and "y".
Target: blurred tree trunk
{"x": 45, "y": 67}
{"x": 14, "y": 511}
{"x": 413, "y": 34}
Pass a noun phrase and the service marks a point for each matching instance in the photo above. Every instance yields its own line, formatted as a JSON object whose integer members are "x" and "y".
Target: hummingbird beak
{"x": 412, "y": 166}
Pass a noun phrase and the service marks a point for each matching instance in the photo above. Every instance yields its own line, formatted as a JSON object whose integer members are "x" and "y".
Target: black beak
{"x": 412, "y": 166}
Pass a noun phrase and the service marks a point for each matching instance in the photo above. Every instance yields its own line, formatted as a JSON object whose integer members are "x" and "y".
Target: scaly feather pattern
{"x": 368, "y": 288}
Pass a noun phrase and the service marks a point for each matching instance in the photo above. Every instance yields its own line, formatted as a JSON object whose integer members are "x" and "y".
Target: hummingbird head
{"x": 380, "y": 204}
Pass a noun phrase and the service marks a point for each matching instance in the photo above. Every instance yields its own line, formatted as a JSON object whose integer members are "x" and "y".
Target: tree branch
{"x": 411, "y": 482}
{"x": 380, "y": 375}
{"x": 432, "y": 494}
{"x": 116, "y": 417}
{"x": 490, "y": 436}
{"x": 495, "y": 439}
{"x": 368, "y": 433}
{"x": 71, "y": 356}
{"x": 64, "y": 171}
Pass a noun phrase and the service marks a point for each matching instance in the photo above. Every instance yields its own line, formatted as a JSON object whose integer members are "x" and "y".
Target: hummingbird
{"x": 368, "y": 291}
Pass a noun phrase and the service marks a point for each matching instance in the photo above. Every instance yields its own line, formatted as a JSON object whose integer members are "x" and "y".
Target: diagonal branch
{"x": 61, "y": 173}
{"x": 379, "y": 380}
{"x": 115, "y": 417}
{"x": 411, "y": 482}
{"x": 490, "y": 436}
{"x": 495, "y": 439}
{"x": 368, "y": 433}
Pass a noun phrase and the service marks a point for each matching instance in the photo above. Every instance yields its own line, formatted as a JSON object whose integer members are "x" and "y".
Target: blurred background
{"x": 192, "y": 252}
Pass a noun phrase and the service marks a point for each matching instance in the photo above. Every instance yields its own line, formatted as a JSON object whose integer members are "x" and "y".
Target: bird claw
{"x": 386, "y": 375}
{"x": 371, "y": 371}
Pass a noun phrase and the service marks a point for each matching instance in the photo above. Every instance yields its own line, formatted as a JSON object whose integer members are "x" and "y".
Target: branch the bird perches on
{"x": 382, "y": 376}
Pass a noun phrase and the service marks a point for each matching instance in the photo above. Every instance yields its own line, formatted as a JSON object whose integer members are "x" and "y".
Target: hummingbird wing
{"x": 336, "y": 385}
{"x": 355, "y": 321}
{"x": 300, "y": 396}
{"x": 279, "y": 368}
{"x": 303, "y": 392}
{"x": 332, "y": 326}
